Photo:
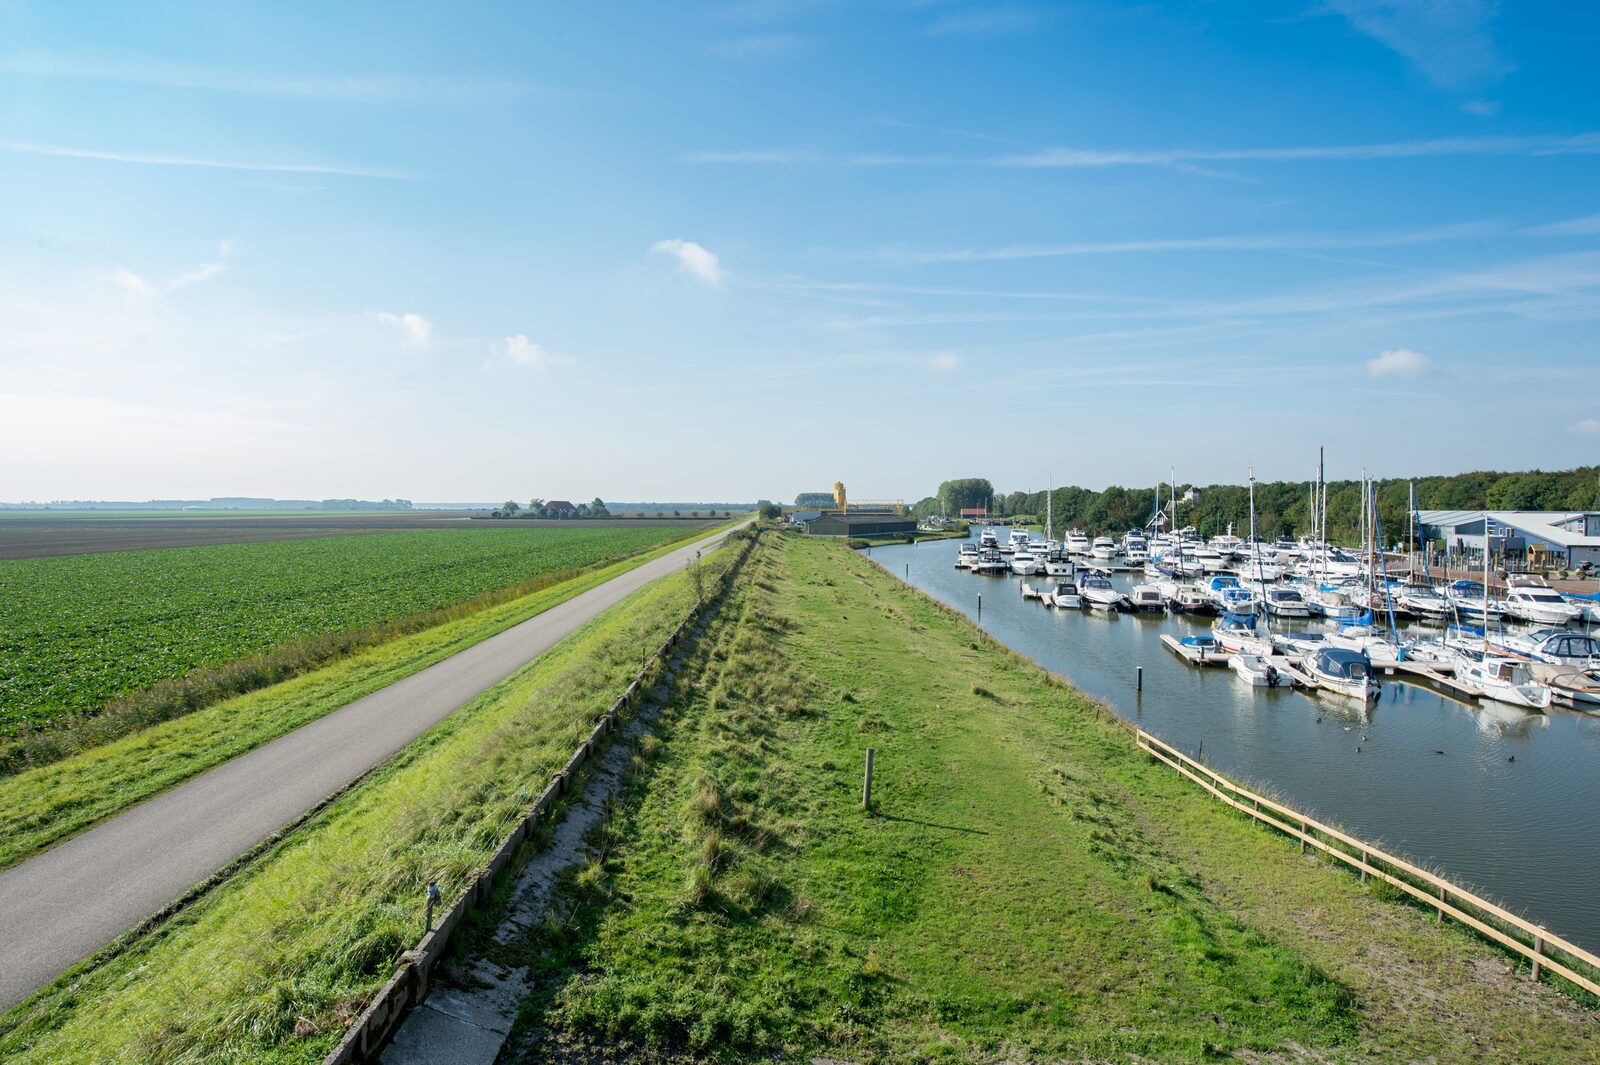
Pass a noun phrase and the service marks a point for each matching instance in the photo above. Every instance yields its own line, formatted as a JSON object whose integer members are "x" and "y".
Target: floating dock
{"x": 1195, "y": 656}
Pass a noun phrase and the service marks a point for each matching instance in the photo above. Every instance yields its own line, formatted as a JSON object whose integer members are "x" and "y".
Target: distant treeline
{"x": 214, "y": 503}
{"x": 1283, "y": 508}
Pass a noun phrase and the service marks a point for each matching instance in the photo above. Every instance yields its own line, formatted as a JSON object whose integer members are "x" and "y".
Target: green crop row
{"x": 76, "y": 632}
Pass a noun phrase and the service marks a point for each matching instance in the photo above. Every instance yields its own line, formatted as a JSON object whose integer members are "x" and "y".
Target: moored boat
{"x": 1343, "y": 672}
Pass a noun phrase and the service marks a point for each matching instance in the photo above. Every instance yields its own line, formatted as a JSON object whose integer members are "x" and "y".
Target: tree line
{"x": 1283, "y": 508}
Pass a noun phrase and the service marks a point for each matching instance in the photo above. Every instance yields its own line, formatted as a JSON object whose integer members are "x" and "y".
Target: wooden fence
{"x": 409, "y": 984}
{"x": 1543, "y": 949}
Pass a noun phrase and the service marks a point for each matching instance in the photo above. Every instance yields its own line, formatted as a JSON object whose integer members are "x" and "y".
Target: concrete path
{"x": 70, "y": 901}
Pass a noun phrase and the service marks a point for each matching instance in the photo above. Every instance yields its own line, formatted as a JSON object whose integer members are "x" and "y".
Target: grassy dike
{"x": 271, "y": 965}
{"x": 1030, "y": 887}
{"x": 41, "y": 807}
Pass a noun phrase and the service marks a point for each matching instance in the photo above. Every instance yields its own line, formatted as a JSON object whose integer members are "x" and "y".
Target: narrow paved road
{"x": 71, "y": 900}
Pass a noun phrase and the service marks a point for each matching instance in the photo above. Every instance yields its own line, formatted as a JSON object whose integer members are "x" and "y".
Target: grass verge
{"x": 271, "y": 965}
{"x": 1030, "y": 887}
{"x": 45, "y": 805}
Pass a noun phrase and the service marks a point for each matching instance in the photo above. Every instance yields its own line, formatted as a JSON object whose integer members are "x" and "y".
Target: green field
{"x": 271, "y": 965}
{"x": 79, "y": 631}
{"x": 1030, "y": 888}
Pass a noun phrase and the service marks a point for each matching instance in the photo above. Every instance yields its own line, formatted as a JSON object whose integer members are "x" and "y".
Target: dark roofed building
{"x": 559, "y": 508}
{"x": 860, "y": 525}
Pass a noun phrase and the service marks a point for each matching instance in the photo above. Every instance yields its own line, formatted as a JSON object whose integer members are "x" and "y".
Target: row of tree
{"x": 1283, "y": 508}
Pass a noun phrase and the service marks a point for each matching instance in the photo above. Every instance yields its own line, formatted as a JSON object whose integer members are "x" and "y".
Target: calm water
{"x": 1526, "y": 832}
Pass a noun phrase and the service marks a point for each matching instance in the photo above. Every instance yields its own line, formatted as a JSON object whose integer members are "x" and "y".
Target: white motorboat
{"x": 1238, "y": 635}
{"x": 1210, "y": 560}
{"x": 1058, "y": 565}
{"x": 1257, "y": 672}
{"x": 1538, "y": 603}
{"x": 1251, "y": 570}
{"x": 1016, "y": 542}
{"x": 1076, "y": 543}
{"x": 1213, "y": 587}
{"x": 1240, "y": 602}
{"x": 1298, "y": 644}
{"x": 1505, "y": 680}
{"x": 1560, "y": 646}
{"x": 992, "y": 564}
{"x": 1098, "y": 591}
{"x": 1379, "y": 649}
{"x": 1104, "y": 548}
{"x": 1286, "y": 603}
{"x": 1135, "y": 548}
{"x": 988, "y": 541}
{"x": 1023, "y": 563}
{"x": 1334, "y": 602}
{"x": 1343, "y": 672}
{"x": 1422, "y": 601}
{"x": 1579, "y": 688}
{"x": 1227, "y": 545}
{"x": 967, "y": 557}
{"x": 1147, "y": 598}
{"x": 1588, "y": 607}
{"x": 1065, "y": 596}
{"x": 1469, "y": 599}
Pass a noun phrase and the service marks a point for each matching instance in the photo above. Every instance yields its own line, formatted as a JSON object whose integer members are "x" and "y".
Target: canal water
{"x": 1499, "y": 799}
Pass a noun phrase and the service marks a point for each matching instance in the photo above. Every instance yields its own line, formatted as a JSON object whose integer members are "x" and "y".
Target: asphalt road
{"x": 68, "y": 902}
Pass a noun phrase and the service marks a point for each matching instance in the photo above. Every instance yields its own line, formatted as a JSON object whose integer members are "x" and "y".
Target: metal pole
{"x": 980, "y": 604}
{"x": 866, "y": 784}
{"x": 1138, "y": 683}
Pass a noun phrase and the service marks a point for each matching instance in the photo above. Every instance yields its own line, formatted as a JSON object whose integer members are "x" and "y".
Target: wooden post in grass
{"x": 433, "y": 900}
{"x": 866, "y": 784}
{"x": 1538, "y": 952}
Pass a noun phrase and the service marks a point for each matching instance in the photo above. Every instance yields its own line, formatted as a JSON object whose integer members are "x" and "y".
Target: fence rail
{"x": 1447, "y": 899}
{"x": 409, "y": 984}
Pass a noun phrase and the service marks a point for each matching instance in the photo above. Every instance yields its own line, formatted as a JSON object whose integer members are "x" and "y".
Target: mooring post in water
{"x": 908, "y": 571}
{"x": 866, "y": 784}
{"x": 1138, "y": 679}
{"x": 980, "y": 605}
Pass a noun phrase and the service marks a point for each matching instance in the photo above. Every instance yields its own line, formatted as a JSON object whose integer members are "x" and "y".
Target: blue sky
{"x": 748, "y": 249}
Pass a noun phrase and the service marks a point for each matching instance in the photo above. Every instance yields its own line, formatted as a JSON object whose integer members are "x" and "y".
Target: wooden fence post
{"x": 1302, "y": 837}
{"x": 1363, "y": 866}
{"x": 866, "y": 784}
{"x": 1441, "y": 902}
{"x": 1538, "y": 952}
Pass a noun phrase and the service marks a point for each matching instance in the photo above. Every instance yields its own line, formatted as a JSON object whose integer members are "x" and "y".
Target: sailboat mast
{"x": 1049, "y": 509}
{"x": 1486, "y": 582}
{"x": 1255, "y": 549}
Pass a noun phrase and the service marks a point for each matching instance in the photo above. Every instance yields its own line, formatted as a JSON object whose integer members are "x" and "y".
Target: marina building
{"x": 1565, "y": 539}
{"x": 835, "y": 524}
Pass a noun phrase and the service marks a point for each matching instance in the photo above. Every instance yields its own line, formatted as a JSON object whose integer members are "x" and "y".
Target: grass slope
{"x": 43, "y": 806}
{"x": 272, "y": 965}
{"x": 1031, "y": 888}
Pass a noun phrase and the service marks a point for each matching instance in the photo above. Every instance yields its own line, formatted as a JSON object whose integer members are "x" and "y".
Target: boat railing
{"x": 1544, "y": 949}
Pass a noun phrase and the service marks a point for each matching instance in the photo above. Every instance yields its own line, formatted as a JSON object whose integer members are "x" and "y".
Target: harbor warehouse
{"x": 1565, "y": 538}
{"x": 860, "y": 525}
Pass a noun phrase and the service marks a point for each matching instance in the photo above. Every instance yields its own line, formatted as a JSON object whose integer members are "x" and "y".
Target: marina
{"x": 1497, "y": 796}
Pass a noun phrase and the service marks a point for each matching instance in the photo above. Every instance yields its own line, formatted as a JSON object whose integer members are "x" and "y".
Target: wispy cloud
{"x": 1401, "y": 362}
{"x": 944, "y": 362}
{"x": 1482, "y": 108}
{"x": 1191, "y": 160}
{"x": 756, "y": 48}
{"x": 418, "y": 330}
{"x": 1448, "y": 40}
{"x": 151, "y": 159}
{"x": 1571, "y": 227}
{"x": 987, "y": 20}
{"x": 137, "y": 285}
{"x": 1279, "y": 242}
{"x": 693, "y": 259}
{"x": 1587, "y": 427}
{"x": 520, "y": 351}
{"x": 348, "y": 88}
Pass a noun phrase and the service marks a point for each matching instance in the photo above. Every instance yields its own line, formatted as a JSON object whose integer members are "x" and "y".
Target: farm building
{"x": 558, "y": 508}
{"x": 1536, "y": 537}
{"x": 860, "y": 525}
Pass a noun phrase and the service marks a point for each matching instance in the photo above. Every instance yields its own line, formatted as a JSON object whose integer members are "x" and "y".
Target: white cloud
{"x": 131, "y": 282}
{"x": 1572, "y": 227}
{"x": 520, "y": 351}
{"x": 944, "y": 362}
{"x": 1587, "y": 427}
{"x": 1401, "y": 362}
{"x": 1448, "y": 40}
{"x": 1482, "y": 108}
{"x": 203, "y": 272}
{"x": 693, "y": 259}
{"x": 418, "y": 329}
{"x": 31, "y": 148}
